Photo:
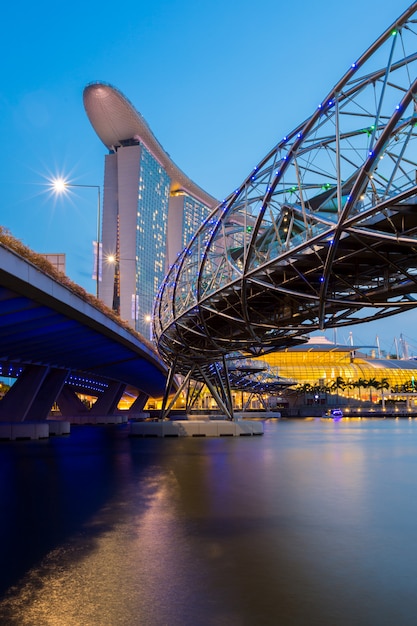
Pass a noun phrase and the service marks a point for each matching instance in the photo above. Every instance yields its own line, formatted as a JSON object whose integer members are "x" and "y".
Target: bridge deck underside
{"x": 374, "y": 268}
{"x": 32, "y": 332}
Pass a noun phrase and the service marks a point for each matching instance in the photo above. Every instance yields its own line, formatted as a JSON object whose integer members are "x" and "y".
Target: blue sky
{"x": 219, "y": 83}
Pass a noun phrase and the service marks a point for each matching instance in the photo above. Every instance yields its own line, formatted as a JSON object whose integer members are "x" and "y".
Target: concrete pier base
{"x": 24, "y": 430}
{"x": 138, "y": 417}
{"x": 196, "y": 428}
{"x": 97, "y": 419}
{"x": 59, "y": 427}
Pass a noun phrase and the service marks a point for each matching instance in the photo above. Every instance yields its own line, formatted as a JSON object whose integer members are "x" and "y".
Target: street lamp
{"x": 148, "y": 320}
{"x": 113, "y": 259}
{"x": 60, "y": 185}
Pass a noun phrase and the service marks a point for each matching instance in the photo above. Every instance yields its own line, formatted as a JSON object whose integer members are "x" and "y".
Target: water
{"x": 313, "y": 523}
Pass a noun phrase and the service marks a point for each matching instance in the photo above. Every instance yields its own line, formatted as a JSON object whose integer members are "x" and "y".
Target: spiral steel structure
{"x": 322, "y": 233}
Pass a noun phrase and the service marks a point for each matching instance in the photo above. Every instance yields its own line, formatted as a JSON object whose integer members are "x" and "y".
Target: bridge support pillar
{"x": 32, "y": 395}
{"x": 106, "y": 403}
{"x": 47, "y": 394}
{"x": 139, "y": 403}
{"x": 70, "y": 404}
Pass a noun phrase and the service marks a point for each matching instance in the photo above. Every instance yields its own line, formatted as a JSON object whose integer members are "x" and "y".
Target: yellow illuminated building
{"x": 321, "y": 363}
{"x": 325, "y": 373}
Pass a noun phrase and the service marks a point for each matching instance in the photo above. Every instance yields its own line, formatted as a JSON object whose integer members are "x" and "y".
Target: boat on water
{"x": 335, "y": 414}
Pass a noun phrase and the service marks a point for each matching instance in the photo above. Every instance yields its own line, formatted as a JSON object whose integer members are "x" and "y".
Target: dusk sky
{"x": 219, "y": 83}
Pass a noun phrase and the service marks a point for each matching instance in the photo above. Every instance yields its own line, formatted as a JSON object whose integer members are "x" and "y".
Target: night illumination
{"x": 314, "y": 221}
{"x": 311, "y": 222}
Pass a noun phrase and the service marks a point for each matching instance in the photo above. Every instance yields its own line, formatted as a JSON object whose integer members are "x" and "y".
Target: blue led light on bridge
{"x": 311, "y": 227}
{"x": 87, "y": 383}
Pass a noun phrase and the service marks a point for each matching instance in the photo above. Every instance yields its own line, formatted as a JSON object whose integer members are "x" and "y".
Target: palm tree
{"x": 302, "y": 390}
{"x": 372, "y": 384}
{"x": 361, "y": 382}
{"x": 383, "y": 384}
{"x": 337, "y": 384}
{"x": 350, "y": 384}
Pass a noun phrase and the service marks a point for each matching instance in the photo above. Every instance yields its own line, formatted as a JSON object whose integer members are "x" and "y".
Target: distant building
{"x": 322, "y": 363}
{"x": 150, "y": 207}
{"x": 57, "y": 260}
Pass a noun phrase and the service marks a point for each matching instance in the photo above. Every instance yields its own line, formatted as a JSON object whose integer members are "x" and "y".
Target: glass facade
{"x": 194, "y": 213}
{"x": 152, "y": 217}
{"x": 348, "y": 366}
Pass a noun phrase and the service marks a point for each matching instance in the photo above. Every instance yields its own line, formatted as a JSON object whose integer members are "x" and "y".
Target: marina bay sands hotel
{"x": 150, "y": 207}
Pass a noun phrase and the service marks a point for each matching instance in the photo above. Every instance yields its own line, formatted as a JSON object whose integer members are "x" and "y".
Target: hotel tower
{"x": 151, "y": 208}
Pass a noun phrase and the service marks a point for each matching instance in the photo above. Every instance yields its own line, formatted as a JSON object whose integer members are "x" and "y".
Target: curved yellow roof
{"x": 115, "y": 121}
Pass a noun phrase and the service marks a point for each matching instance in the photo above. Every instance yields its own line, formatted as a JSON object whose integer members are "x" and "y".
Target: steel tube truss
{"x": 322, "y": 233}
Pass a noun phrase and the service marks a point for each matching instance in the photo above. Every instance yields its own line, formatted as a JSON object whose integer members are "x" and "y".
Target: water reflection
{"x": 313, "y": 523}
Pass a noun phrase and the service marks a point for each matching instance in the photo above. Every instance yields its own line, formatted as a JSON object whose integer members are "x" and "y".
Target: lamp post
{"x": 60, "y": 185}
{"x": 113, "y": 259}
{"x": 148, "y": 320}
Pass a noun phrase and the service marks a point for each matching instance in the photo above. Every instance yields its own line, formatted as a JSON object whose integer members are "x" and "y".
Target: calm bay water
{"x": 313, "y": 523}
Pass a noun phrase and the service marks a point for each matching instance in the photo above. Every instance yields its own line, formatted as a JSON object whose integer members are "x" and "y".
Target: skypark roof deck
{"x": 117, "y": 122}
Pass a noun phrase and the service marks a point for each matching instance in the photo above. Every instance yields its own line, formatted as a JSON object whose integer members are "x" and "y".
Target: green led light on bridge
{"x": 300, "y": 274}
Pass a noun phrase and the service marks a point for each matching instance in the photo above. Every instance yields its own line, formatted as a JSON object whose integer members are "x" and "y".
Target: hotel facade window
{"x": 151, "y": 235}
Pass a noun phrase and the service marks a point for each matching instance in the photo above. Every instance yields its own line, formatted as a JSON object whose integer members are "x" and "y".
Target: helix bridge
{"x": 321, "y": 234}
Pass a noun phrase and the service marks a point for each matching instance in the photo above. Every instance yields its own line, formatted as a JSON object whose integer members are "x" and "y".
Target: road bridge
{"x": 57, "y": 343}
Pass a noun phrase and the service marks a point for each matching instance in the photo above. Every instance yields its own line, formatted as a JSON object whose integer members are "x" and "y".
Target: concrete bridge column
{"x": 47, "y": 394}
{"x": 139, "y": 403}
{"x": 17, "y": 403}
{"x": 70, "y": 404}
{"x": 106, "y": 403}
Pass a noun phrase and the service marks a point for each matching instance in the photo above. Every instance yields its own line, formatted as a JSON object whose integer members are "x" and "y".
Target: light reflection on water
{"x": 313, "y": 523}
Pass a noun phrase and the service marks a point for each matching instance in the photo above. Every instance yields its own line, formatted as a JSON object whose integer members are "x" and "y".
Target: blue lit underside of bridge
{"x": 58, "y": 343}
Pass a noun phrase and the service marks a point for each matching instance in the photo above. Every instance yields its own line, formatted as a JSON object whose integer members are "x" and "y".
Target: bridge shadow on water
{"x": 51, "y": 489}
